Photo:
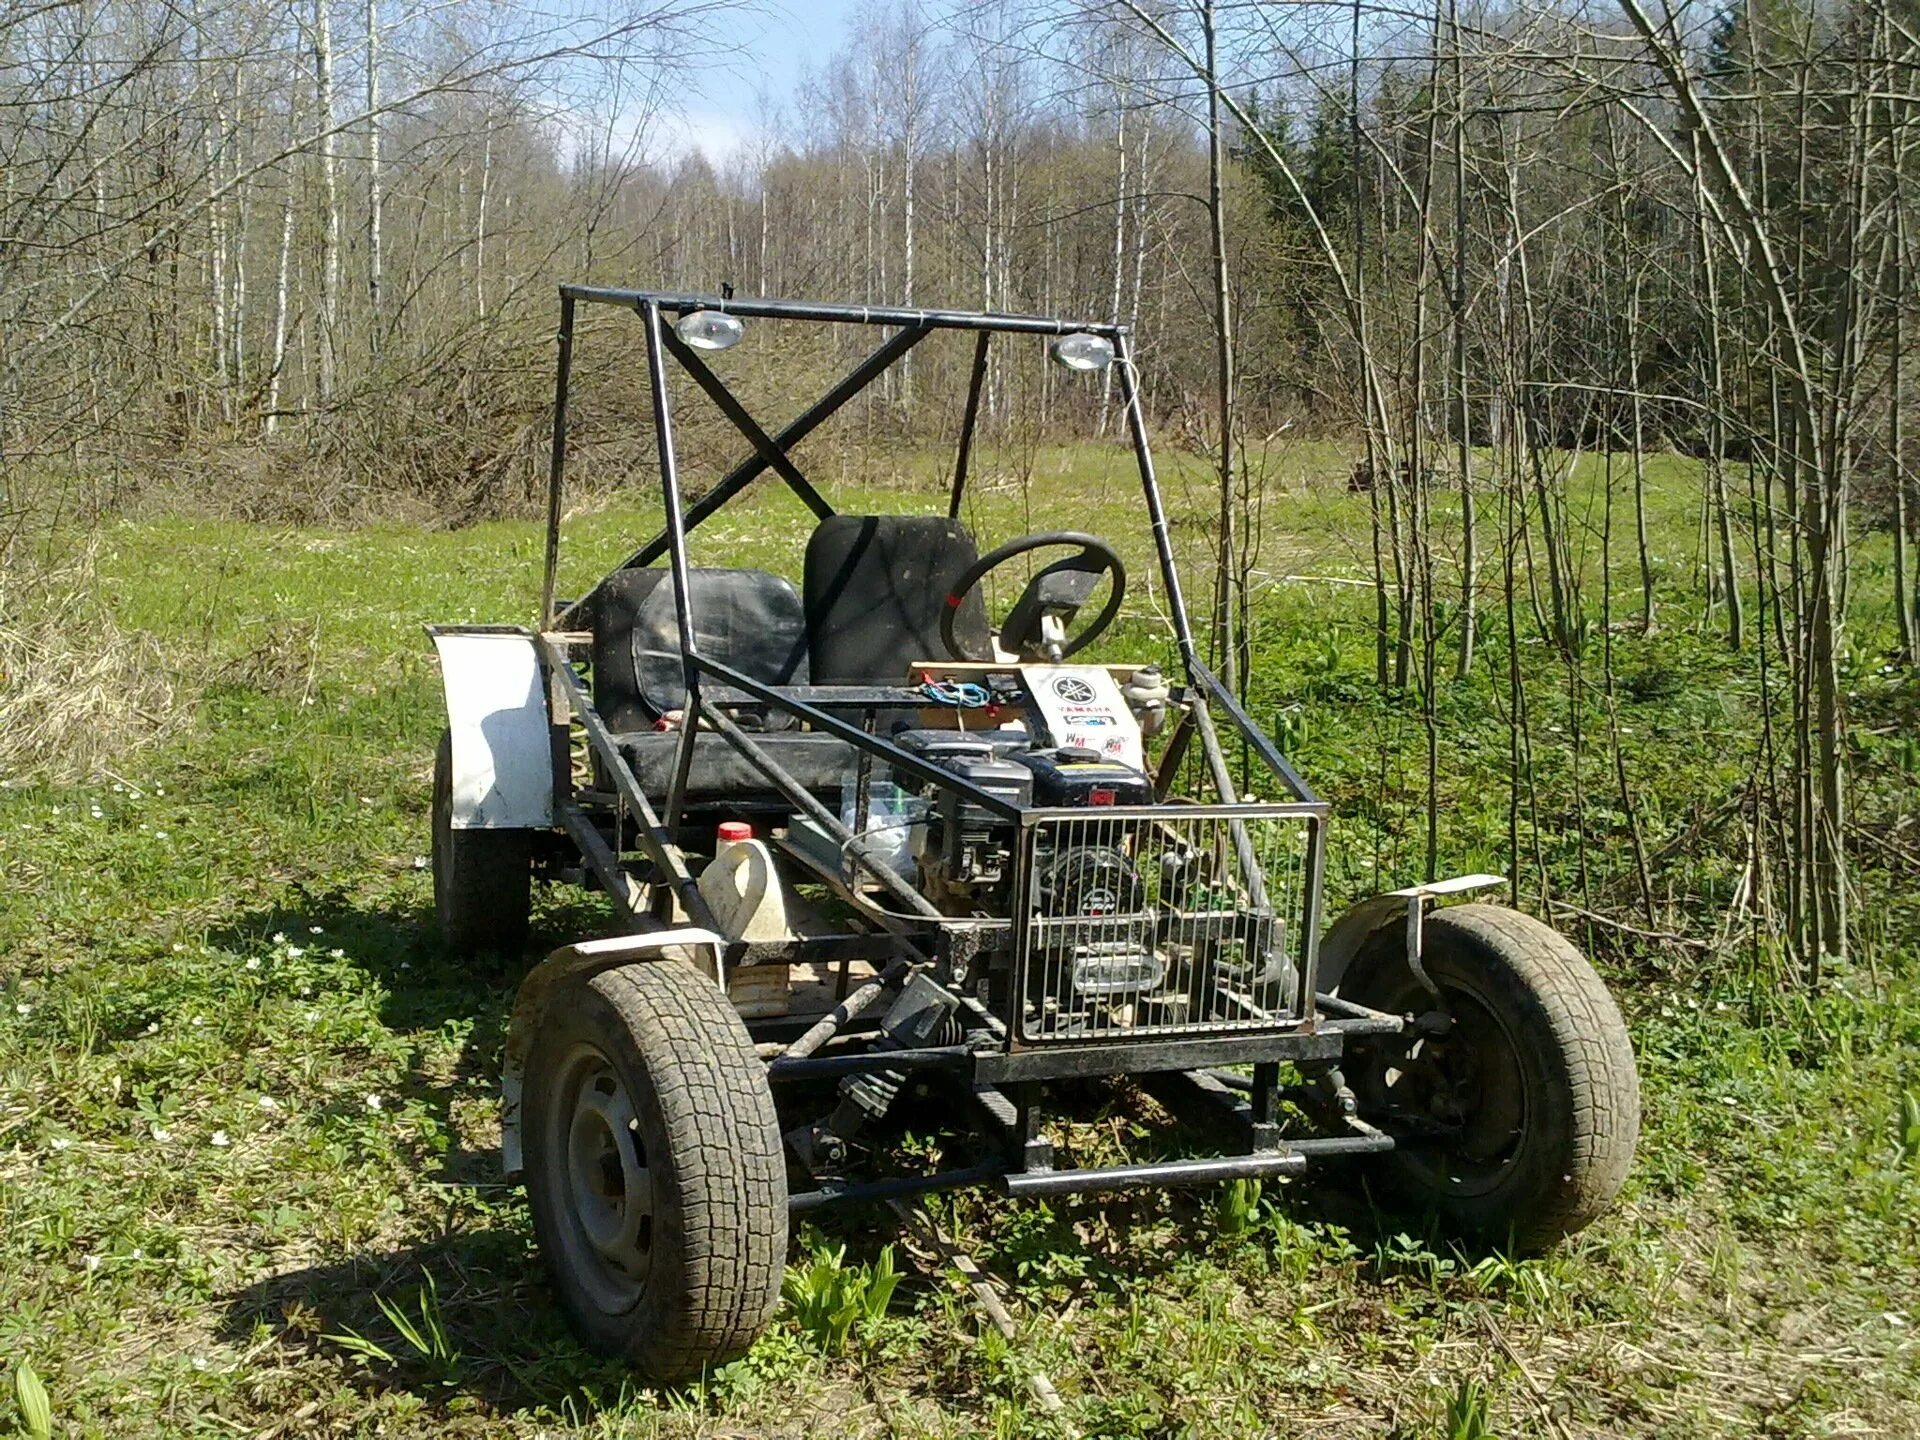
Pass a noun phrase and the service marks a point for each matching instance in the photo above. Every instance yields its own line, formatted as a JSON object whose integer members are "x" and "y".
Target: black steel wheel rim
{"x": 1460, "y": 1102}
{"x": 602, "y": 1183}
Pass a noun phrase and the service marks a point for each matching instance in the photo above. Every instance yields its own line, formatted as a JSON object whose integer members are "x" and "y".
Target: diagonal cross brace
{"x": 729, "y": 405}
{"x": 750, "y": 469}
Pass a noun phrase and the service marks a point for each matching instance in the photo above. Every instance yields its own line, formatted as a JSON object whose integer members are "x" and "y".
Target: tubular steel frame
{"x": 919, "y": 931}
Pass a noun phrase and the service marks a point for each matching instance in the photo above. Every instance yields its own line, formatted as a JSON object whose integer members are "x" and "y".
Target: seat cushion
{"x": 748, "y": 619}
{"x": 876, "y": 586}
{"x": 721, "y": 774}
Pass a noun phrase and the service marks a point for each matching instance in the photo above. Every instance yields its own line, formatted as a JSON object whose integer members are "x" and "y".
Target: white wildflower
{"x": 374, "y": 1102}
{"x": 269, "y": 1104}
{"x": 253, "y": 962}
{"x": 23, "y": 1010}
{"x": 153, "y": 1027}
{"x": 219, "y": 1140}
{"x": 337, "y": 953}
{"x": 59, "y": 1142}
{"x": 161, "y": 1134}
{"x": 90, "y": 1263}
{"x": 315, "y": 930}
{"x": 279, "y": 937}
{"x": 294, "y": 952}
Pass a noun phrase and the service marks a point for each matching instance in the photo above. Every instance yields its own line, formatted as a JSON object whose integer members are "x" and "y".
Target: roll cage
{"x": 711, "y": 684}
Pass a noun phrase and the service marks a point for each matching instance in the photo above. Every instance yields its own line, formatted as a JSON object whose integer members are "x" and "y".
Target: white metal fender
{"x": 497, "y": 714}
{"x": 689, "y": 945}
{"x": 1350, "y": 933}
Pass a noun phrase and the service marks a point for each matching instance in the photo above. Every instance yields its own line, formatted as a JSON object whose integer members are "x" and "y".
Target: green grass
{"x": 248, "y": 1110}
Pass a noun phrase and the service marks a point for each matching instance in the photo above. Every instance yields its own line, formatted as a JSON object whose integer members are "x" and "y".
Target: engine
{"x": 965, "y": 851}
{"x": 1092, "y": 907}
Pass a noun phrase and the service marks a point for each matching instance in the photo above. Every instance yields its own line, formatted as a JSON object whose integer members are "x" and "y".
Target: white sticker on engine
{"x": 1083, "y": 706}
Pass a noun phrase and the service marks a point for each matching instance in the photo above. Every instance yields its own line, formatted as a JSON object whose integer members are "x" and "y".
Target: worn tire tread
{"x": 482, "y": 879}
{"x": 721, "y": 1221}
{"x": 1588, "y": 1053}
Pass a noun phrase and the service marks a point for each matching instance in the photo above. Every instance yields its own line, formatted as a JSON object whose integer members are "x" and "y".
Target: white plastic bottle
{"x": 742, "y": 888}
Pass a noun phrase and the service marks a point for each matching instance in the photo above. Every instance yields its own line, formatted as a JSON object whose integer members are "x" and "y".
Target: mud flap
{"x": 497, "y": 714}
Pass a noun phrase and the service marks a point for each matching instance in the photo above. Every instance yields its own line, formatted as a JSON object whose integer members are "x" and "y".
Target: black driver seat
{"x": 874, "y": 590}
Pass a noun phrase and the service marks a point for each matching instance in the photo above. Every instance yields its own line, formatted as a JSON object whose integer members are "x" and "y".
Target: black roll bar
{"x": 889, "y": 315}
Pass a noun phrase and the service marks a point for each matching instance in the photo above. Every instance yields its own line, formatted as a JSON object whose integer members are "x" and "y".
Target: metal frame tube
{"x": 839, "y": 1193}
{"x": 762, "y": 309}
{"x": 813, "y": 809}
{"x": 855, "y": 1005}
{"x": 799, "y": 1067}
{"x": 557, "y": 459}
{"x": 1146, "y": 1177}
{"x": 654, "y": 838}
{"x": 965, "y": 457}
{"x": 1243, "y": 722}
{"x": 902, "y": 760}
{"x": 1156, "y": 509}
{"x": 677, "y": 557}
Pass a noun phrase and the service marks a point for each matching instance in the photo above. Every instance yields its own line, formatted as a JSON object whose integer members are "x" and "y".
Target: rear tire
{"x": 482, "y": 879}
{"x": 1519, "y": 1124}
{"x": 654, "y": 1169}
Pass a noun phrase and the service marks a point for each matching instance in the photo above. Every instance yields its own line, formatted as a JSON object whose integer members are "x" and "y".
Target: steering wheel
{"x": 1053, "y": 594}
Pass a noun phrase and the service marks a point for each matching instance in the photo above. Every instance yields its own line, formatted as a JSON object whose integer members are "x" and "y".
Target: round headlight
{"x": 709, "y": 329}
{"x": 1081, "y": 351}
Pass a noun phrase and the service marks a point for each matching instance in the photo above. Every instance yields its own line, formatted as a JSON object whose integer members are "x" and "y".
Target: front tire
{"x": 654, "y": 1169}
{"x": 1519, "y": 1123}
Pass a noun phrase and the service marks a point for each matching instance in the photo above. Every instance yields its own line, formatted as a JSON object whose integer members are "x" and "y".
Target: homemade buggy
{"x": 978, "y": 870}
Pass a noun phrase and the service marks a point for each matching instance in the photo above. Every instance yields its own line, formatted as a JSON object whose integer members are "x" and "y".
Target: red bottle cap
{"x": 735, "y": 830}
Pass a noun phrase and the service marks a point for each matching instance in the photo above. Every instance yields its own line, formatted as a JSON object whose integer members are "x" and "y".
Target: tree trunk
{"x": 1223, "y": 361}
{"x": 330, "y": 190}
{"x": 1463, "y": 416}
{"x": 374, "y": 198}
{"x": 280, "y": 288}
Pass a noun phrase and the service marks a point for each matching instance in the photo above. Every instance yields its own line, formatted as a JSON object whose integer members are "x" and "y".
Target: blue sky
{"x": 779, "y": 42}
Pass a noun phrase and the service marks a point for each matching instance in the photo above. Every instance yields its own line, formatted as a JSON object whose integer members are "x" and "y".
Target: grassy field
{"x": 248, "y": 1109}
